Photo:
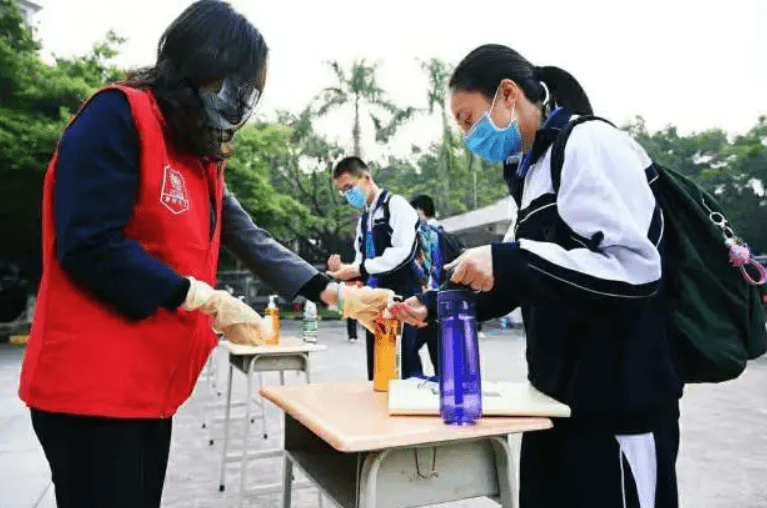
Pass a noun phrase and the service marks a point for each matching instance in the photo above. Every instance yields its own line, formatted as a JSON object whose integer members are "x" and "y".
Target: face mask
{"x": 230, "y": 107}
{"x": 356, "y": 197}
{"x": 492, "y": 143}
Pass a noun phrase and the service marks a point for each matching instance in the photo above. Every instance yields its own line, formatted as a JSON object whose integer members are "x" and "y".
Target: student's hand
{"x": 346, "y": 272}
{"x": 411, "y": 311}
{"x": 329, "y": 295}
{"x": 474, "y": 268}
{"x": 334, "y": 263}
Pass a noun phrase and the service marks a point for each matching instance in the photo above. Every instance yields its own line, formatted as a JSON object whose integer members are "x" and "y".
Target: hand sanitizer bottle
{"x": 309, "y": 325}
{"x": 274, "y": 314}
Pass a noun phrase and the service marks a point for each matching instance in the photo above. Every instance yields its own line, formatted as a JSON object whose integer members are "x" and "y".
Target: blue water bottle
{"x": 459, "y": 385}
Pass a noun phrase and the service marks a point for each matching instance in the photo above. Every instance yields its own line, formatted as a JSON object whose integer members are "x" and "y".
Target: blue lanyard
{"x": 370, "y": 252}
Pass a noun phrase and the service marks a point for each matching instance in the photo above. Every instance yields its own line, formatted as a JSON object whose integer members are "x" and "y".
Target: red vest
{"x": 83, "y": 356}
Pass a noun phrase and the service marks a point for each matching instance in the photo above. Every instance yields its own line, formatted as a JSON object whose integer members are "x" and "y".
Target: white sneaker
{"x": 481, "y": 335}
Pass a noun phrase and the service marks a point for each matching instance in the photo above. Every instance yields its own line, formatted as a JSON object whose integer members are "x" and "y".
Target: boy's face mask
{"x": 356, "y": 197}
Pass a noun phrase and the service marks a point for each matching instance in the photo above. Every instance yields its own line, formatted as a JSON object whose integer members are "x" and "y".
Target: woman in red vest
{"x": 134, "y": 212}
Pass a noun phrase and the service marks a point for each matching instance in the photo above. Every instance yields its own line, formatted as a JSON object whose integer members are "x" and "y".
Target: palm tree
{"x": 359, "y": 88}
{"x": 438, "y": 73}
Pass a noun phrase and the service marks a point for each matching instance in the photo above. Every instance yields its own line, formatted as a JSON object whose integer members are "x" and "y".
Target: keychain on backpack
{"x": 740, "y": 254}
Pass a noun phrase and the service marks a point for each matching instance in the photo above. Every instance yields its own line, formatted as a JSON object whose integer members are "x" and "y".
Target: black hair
{"x": 207, "y": 42}
{"x": 485, "y": 67}
{"x": 425, "y": 203}
{"x": 352, "y": 165}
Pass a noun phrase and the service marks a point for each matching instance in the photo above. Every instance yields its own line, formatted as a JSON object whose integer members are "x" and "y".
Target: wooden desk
{"x": 290, "y": 354}
{"x": 343, "y": 439}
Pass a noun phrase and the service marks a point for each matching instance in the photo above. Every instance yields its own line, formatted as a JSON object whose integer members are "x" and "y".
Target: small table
{"x": 290, "y": 354}
{"x": 343, "y": 439}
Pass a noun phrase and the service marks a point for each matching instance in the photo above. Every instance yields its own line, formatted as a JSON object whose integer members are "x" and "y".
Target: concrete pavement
{"x": 722, "y": 463}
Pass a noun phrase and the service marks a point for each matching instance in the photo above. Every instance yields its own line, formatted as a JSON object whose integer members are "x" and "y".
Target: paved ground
{"x": 722, "y": 464}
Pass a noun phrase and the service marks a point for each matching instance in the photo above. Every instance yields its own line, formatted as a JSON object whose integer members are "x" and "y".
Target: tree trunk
{"x": 356, "y": 130}
{"x": 447, "y": 154}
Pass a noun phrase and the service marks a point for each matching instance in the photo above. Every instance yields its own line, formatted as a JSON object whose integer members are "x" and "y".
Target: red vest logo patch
{"x": 174, "y": 196}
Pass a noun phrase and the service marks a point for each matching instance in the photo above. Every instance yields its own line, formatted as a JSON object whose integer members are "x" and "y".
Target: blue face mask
{"x": 356, "y": 197}
{"x": 492, "y": 143}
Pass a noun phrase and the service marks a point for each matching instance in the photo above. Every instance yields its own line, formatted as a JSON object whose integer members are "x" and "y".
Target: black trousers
{"x": 351, "y": 328}
{"x": 104, "y": 462}
{"x": 578, "y": 465}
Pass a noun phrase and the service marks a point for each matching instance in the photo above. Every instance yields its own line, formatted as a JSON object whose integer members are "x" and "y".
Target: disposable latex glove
{"x": 365, "y": 304}
{"x": 234, "y": 318}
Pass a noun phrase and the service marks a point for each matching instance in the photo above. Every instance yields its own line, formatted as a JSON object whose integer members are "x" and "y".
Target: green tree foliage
{"x": 438, "y": 73}
{"x": 282, "y": 173}
{"x": 358, "y": 87}
{"x": 478, "y": 183}
{"x": 734, "y": 171}
{"x": 249, "y": 177}
{"x": 94, "y": 68}
{"x": 304, "y": 172}
{"x": 35, "y": 102}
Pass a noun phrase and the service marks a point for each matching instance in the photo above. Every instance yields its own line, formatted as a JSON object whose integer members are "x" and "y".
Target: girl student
{"x": 585, "y": 265}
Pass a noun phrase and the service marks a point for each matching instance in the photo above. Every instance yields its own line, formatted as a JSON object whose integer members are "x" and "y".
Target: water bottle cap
{"x": 452, "y": 301}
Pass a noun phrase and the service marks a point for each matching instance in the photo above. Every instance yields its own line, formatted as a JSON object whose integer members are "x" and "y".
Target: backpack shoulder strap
{"x": 363, "y": 222}
{"x": 558, "y": 148}
{"x": 384, "y": 202}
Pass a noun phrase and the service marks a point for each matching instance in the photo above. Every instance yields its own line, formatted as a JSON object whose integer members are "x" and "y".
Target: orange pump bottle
{"x": 385, "y": 357}
{"x": 274, "y": 312}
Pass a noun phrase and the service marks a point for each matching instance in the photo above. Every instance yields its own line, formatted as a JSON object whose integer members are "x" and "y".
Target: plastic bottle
{"x": 274, "y": 314}
{"x": 460, "y": 381}
{"x": 385, "y": 354}
{"x": 309, "y": 325}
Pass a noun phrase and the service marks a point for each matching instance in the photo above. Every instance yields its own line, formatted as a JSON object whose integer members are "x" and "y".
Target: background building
{"x": 29, "y": 10}
{"x": 483, "y": 225}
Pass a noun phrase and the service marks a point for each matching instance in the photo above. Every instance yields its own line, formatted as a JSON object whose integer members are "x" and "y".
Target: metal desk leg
{"x": 264, "y": 433}
{"x": 227, "y": 415}
{"x": 307, "y": 369}
{"x": 369, "y": 478}
{"x": 244, "y": 464}
{"x": 287, "y": 482}
{"x": 506, "y": 468}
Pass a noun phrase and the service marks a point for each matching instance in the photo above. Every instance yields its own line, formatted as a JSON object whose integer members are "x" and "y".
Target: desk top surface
{"x": 352, "y": 417}
{"x": 287, "y": 345}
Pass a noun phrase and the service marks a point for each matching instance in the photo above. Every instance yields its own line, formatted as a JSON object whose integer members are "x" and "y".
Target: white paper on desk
{"x": 418, "y": 397}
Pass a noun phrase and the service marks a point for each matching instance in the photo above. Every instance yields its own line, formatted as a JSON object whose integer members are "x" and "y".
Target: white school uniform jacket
{"x": 394, "y": 224}
{"x": 585, "y": 264}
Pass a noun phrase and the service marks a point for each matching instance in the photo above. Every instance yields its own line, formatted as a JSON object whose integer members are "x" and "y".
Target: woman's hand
{"x": 411, "y": 311}
{"x": 474, "y": 268}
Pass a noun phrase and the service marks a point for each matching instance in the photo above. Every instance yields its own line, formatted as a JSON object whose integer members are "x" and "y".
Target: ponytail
{"x": 564, "y": 90}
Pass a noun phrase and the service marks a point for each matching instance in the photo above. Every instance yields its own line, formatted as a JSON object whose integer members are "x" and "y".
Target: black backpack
{"x": 715, "y": 315}
{"x": 451, "y": 244}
